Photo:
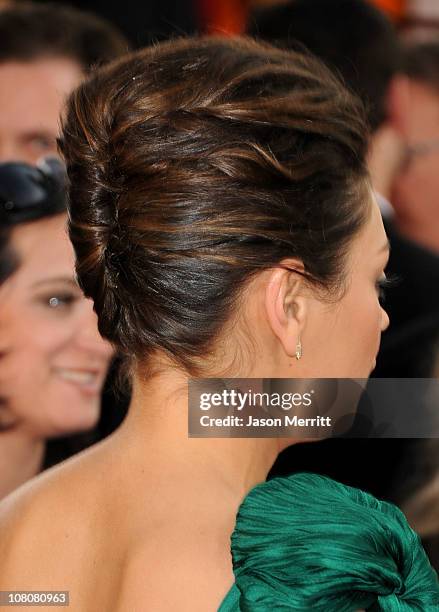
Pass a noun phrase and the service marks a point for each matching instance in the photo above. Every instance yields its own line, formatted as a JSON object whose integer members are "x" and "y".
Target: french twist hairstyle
{"x": 193, "y": 165}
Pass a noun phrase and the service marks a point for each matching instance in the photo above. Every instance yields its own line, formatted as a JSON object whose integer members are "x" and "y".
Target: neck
{"x": 158, "y": 421}
{"x": 21, "y": 457}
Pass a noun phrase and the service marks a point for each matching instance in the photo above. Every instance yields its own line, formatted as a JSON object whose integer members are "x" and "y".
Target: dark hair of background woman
{"x": 7, "y": 260}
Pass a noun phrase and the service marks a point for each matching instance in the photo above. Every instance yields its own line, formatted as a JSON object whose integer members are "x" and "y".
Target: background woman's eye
{"x": 43, "y": 143}
{"x": 60, "y": 301}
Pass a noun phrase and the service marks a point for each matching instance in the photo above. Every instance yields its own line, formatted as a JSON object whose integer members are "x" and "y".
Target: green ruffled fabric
{"x": 306, "y": 542}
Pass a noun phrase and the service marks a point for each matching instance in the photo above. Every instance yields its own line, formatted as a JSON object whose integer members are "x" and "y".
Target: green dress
{"x": 308, "y": 543}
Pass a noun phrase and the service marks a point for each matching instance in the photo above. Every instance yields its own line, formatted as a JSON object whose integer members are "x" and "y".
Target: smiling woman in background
{"x": 53, "y": 362}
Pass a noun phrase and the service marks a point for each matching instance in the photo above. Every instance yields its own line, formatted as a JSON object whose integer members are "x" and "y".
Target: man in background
{"x": 45, "y": 51}
{"x": 415, "y": 190}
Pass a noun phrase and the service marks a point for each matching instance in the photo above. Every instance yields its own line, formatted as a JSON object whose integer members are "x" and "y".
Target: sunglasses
{"x": 28, "y": 193}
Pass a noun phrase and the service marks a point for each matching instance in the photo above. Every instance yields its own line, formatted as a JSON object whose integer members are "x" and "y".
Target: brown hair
{"x": 31, "y": 31}
{"x": 193, "y": 165}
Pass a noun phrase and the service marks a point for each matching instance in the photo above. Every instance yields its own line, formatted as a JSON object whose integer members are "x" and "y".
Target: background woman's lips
{"x": 88, "y": 381}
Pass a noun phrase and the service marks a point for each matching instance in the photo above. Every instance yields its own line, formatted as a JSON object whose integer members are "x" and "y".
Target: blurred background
{"x": 143, "y": 22}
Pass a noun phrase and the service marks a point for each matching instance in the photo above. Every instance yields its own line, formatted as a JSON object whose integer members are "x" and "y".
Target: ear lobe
{"x": 285, "y": 308}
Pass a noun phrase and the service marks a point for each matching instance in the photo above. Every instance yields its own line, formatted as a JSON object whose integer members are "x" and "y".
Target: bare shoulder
{"x": 178, "y": 568}
{"x": 182, "y": 564}
{"x": 114, "y": 542}
{"x": 46, "y": 528}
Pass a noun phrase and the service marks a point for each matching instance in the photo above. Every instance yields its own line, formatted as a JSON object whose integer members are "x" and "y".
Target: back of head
{"x": 353, "y": 37}
{"x": 195, "y": 164}
{"x": 30, "y": 31}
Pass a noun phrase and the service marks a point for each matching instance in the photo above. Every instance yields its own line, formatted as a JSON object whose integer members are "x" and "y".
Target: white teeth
{"x": 76, "y": 376}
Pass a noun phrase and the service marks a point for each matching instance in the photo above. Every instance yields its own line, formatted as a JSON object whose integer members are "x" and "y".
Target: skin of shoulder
{"x": 50, "y": 537}
{"x": 73, "y": 528}
{"x": 180, "y": 567}
{"x": 35, "y": 522}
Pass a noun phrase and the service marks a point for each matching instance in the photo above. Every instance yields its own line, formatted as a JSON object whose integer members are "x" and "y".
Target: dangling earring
{"x": 298, "y": 349}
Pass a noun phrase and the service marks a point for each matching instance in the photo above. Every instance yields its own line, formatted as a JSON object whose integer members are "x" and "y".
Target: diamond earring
{"x": 298, "y": 350}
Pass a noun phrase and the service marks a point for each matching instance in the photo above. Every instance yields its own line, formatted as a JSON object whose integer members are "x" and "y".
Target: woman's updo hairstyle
{"x": 193, "y": 165}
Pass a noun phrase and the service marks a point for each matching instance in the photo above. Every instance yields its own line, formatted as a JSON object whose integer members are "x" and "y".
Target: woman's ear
{"x": 286, "y": 304}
